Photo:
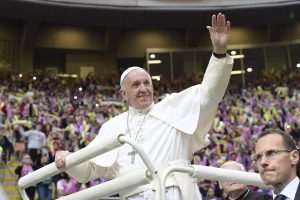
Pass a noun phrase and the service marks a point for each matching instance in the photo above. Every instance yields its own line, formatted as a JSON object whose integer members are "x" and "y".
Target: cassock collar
{"x": 133, "y": 111}
{"x": 242, "y": 195}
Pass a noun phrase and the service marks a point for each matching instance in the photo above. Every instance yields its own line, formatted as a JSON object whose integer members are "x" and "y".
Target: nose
{"x": 143, "y": 87}
{"x": 263, "y": 161}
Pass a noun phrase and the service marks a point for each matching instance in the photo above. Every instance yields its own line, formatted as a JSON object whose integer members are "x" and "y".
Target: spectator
{"x": 22, "y": 170}
{"x": 5, "y": 144}
{"x": 276, "y": 158}
{"x": 44, "y": 187}
{"x": 211, "y": 195}
{"x": 67, "y": 185}
{"x": 36, "y": 139}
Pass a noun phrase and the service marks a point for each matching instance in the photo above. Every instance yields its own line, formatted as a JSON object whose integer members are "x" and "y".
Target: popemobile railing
{"x": 140, "y": 177}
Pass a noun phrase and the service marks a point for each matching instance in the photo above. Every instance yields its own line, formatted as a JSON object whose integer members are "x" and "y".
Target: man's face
{"x": 229, "y": 187}
{"x": 275, "y": 167}
{"x": 39, "y": 127}
{"x": 138, "y": 89}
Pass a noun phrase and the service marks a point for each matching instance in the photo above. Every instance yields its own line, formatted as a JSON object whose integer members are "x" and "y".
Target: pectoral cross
{"x": 132, "y": 154}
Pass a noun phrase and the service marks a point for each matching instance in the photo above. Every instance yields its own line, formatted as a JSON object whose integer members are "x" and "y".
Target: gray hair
{"x": 231, "y": 162}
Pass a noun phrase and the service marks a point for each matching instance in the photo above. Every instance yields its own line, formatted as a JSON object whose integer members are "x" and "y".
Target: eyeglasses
{"x": 270, "y": 154}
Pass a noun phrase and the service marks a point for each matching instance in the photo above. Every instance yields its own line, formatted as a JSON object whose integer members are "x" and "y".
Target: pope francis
{"x": 169, "y": 131}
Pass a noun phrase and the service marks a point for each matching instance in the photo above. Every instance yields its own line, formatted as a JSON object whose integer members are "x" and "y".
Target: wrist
{"x": 219, "y": 55}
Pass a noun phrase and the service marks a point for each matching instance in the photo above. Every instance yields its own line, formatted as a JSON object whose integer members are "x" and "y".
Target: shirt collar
{"x": 290, "y": 190}
{"x": 133, "y": 111}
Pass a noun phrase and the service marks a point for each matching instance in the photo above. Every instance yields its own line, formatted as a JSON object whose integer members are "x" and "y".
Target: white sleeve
{"x": 216, "y": 77}
{"x": 88, "y": 171}
{"x": 192, "y": 110}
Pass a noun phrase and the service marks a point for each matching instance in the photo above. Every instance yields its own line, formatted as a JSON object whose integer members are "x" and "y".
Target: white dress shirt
{"x": 290, "y": 190}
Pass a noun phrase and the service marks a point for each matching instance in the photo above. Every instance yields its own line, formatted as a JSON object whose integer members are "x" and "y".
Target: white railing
{"x": 134, "y": 179}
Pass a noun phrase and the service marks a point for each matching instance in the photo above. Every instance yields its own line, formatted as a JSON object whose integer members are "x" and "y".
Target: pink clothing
{"x": 26, "y": 169}
{"x": 68, "y": 187}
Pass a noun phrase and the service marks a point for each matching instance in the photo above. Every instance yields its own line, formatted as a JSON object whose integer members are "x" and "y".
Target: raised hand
{"x": 219, "y": 33}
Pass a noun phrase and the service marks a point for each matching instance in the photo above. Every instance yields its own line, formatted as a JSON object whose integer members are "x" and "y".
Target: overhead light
{"x": 156, "y": 78}
{"x": 249, "y": 69}
{"x": 68, "y": 75}
{"x": 298, "y": 65}
{"x": 238, "y": 72}
{"x": 233, "y": 52}
{"x": 238, "y": 56}
{"x": 154, "y": 61}
{"x": 152, "y": 55}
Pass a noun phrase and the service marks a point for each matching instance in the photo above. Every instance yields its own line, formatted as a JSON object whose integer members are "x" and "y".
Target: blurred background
{"x": 60, "y": 63}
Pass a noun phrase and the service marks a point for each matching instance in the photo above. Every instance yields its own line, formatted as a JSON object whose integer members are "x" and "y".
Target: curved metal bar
{"x": 167, "y": 172}
{"x": 218, "y": 174}
{"x": 215, "y": 174}
{"x": 72, "y": 160}
{"x": 23, "y": 194}
{"x": 148, "y": 163}
{"x": 137, "y": 178}
{"x": 111, "y": 187}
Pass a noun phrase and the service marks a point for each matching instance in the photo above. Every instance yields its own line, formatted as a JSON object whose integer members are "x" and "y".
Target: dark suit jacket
{"x": 253, "y": 195}
{"x": 297, "y": 196}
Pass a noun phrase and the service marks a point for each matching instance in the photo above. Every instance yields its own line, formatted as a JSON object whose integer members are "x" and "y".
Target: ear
{"x": 294, "y": 157}
{"x": 123, "y": 94}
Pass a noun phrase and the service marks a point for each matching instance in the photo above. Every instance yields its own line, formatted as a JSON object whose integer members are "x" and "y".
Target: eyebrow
{"x": 135, "y": 82}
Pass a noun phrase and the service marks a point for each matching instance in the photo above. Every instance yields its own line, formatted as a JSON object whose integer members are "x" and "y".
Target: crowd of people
{"x": 43, "y": 115}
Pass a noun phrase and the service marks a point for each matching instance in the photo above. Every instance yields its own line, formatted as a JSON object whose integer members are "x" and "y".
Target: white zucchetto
{"x": 127, "y": 71}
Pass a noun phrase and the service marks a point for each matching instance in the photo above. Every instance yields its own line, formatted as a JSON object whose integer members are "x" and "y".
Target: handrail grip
{"x": 219, "y": 174}
{"x": 72, "y": 160}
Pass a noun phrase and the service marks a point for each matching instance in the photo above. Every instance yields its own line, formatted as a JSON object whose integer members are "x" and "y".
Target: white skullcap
{"x": 127, "y": 71}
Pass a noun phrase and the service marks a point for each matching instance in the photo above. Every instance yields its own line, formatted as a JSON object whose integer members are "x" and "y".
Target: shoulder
{"x": 175, "y": 98}
{"x": 115, "y": 120}
{"x": 115, "y": 124}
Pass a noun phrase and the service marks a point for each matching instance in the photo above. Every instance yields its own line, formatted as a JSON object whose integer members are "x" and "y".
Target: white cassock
{"x": 170, "y": 132}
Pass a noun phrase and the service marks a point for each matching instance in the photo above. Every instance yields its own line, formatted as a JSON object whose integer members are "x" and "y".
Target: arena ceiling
{"x": 166, "y": 4}
{"x": 150, "y": 13}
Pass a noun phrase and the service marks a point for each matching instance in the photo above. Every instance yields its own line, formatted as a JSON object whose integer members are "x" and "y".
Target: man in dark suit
{"x": 238, "y": 191}
{"x": 276, "y": 158}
